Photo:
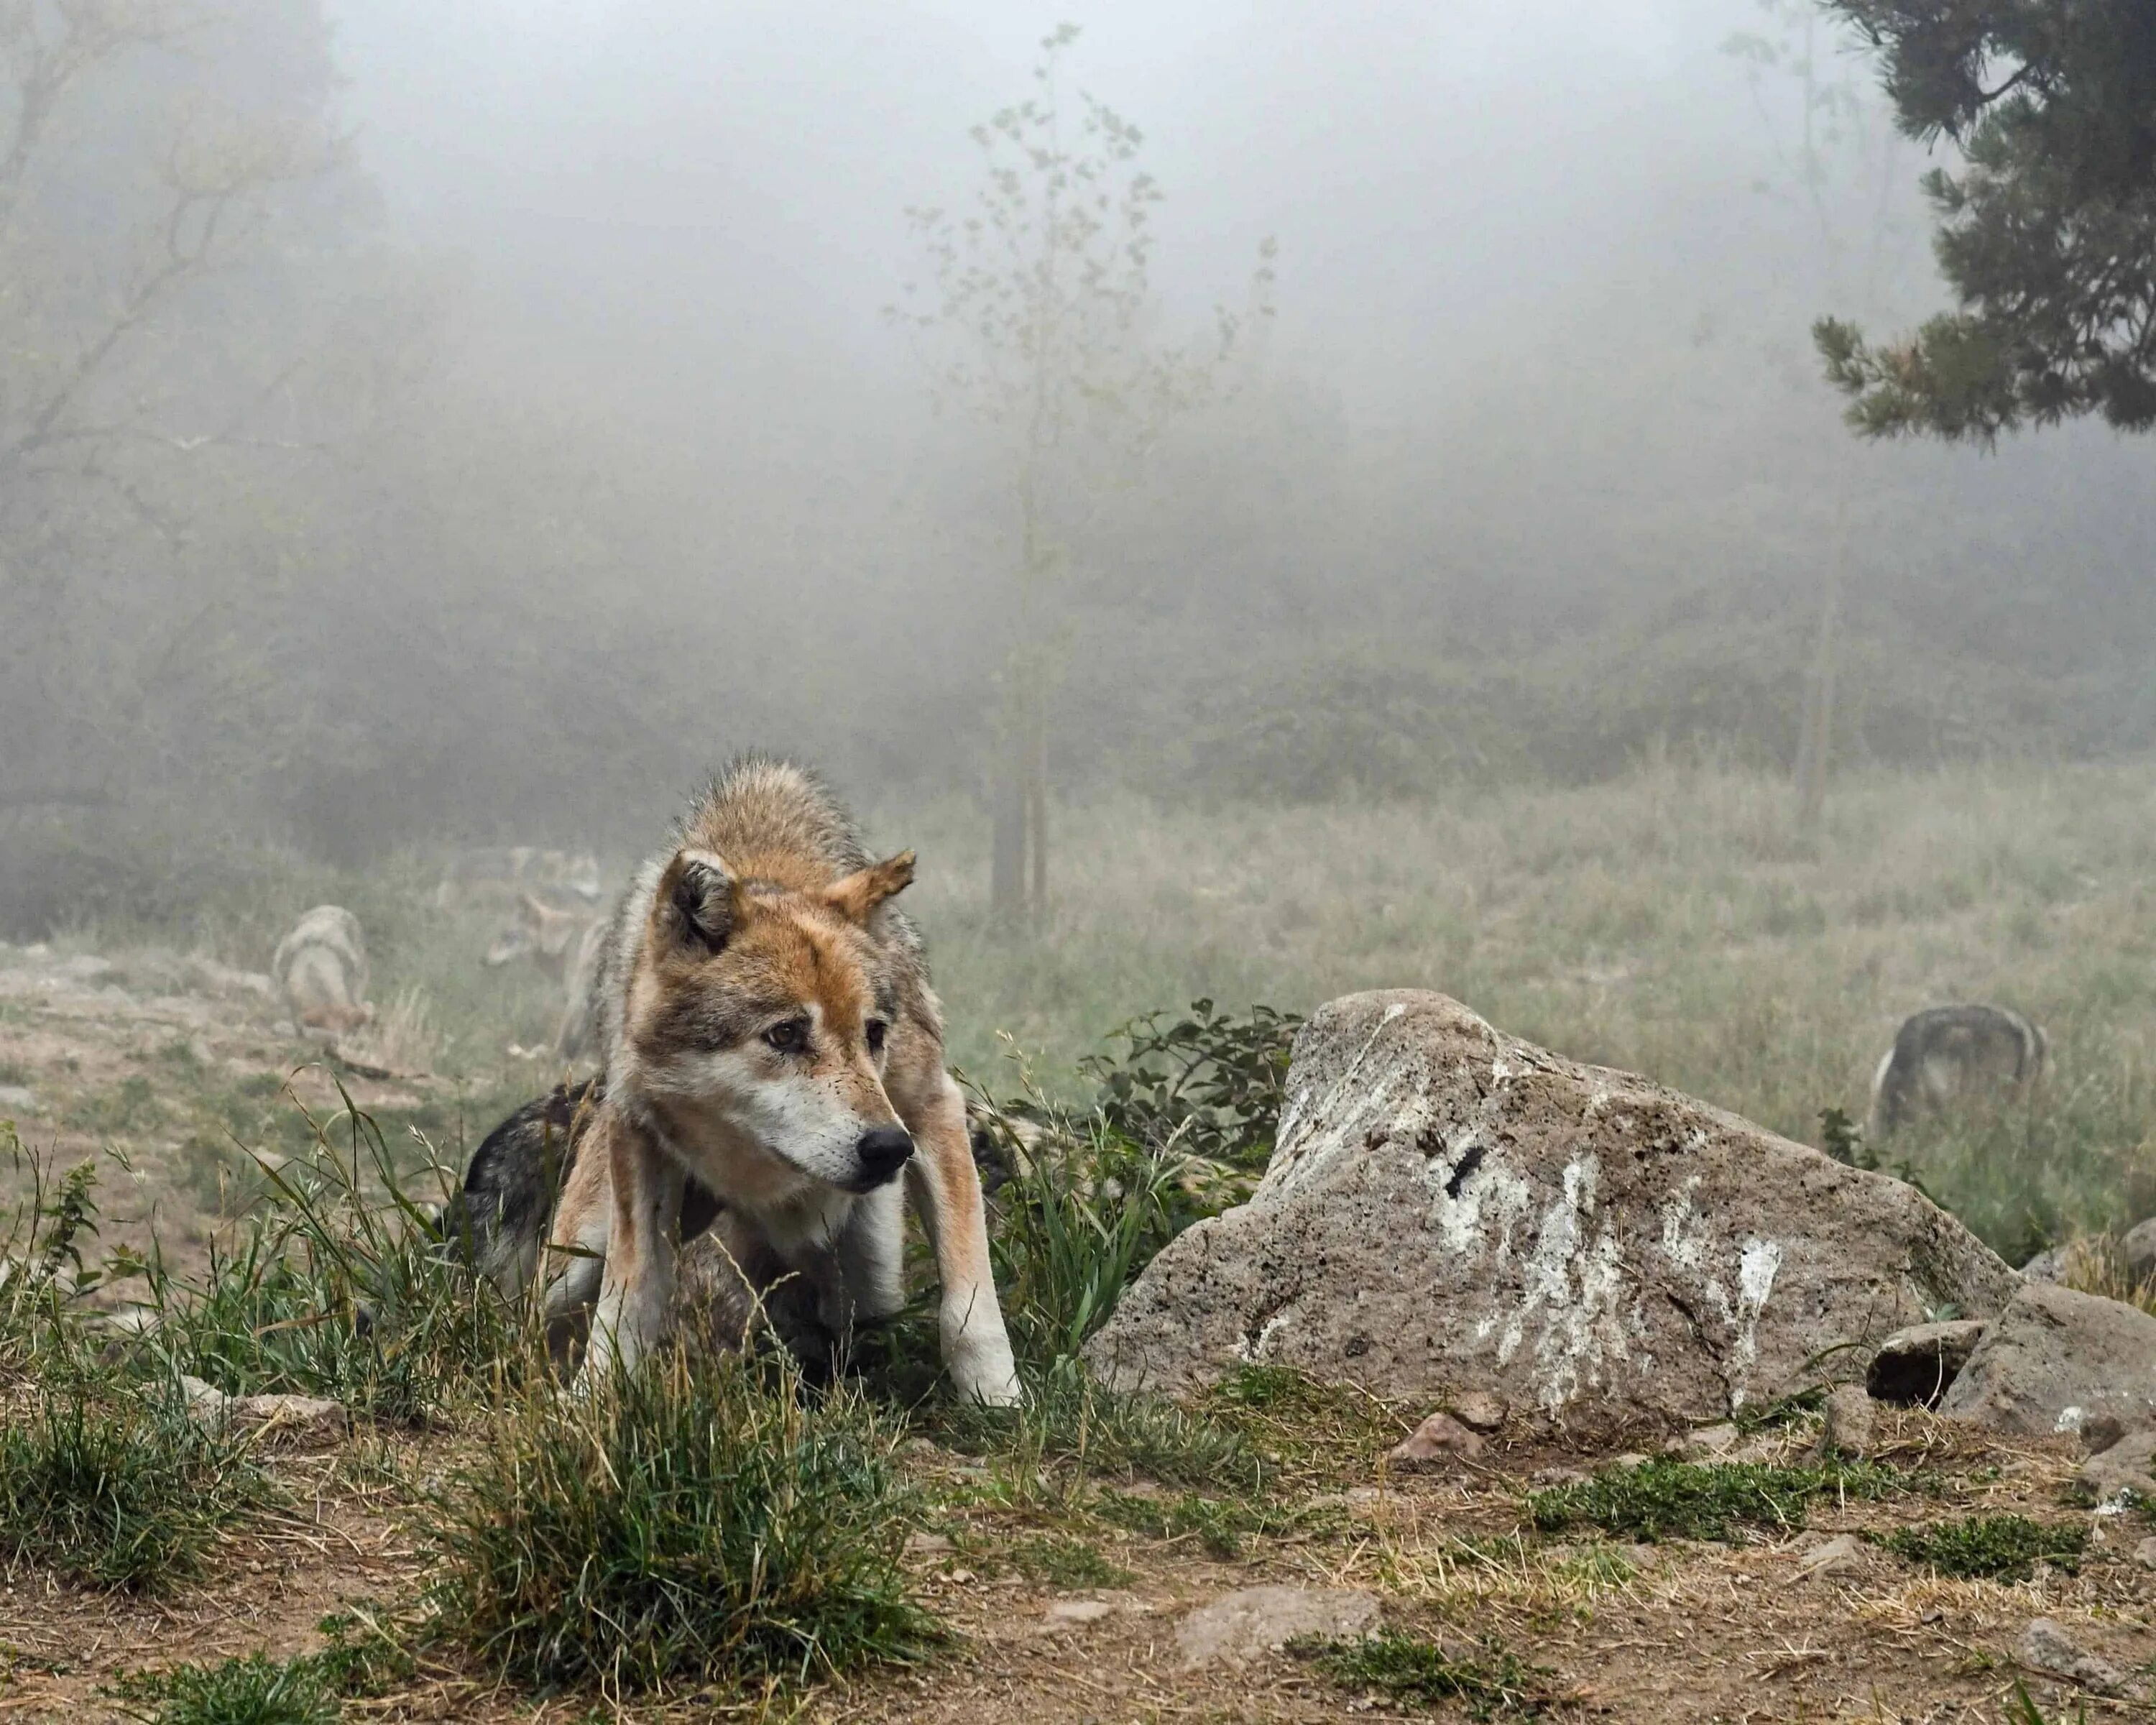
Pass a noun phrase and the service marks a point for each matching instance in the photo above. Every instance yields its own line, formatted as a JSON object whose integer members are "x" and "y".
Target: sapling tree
{"x": 1036, "y": 318}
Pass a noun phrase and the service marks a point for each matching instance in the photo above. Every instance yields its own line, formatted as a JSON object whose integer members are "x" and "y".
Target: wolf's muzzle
{"x": 882, "y": 1152}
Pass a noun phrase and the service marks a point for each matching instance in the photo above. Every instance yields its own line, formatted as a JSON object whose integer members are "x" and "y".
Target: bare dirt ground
{"x": 172, "y": 1061}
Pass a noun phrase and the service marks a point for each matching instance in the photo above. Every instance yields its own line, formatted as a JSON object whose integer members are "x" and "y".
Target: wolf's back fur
{"x": 320, "y": 968}
{"x": 1947, "y": 1054}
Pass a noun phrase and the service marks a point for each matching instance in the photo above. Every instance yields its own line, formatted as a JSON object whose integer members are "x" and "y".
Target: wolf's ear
{"x": 697, "y": 904}
{"x": 861, "y": 891}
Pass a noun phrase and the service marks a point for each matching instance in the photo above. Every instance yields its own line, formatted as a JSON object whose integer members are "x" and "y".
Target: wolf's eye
{"x": 875, "y": 1031}
{"x": 790, "y": 1037}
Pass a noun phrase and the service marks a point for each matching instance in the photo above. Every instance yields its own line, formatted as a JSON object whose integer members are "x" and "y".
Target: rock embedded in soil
{"x": 1451, "y": 1210}
{"x": 1477, "y": 1409}
{"x": 1849, "y": 1428}
{"x": 2137, "y": 1246}
{"x": 1837, "y": 1556}
{"x": 1916, "y": 1367}
{"x": 1253, "y": 1621}
{"x": 300, "y": 1418}
{"x": 1439, "y": 1440}
{"x": 2058, "y": 1361}
{"x": 2126, "y": 1468}
{"x": 2046, "y": 1647}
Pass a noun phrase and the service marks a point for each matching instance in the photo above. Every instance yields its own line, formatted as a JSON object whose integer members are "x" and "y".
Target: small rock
{"x": 1916, "y": 1367}
{"x": 1438, "y": 1440}
{"x": 2145, "y": 1553}
{"x": 1630, "y": 1459}
{"x": 2045, "y": 1647}
{"x": 1079, "y": 1611}
{"x": 930, "y": 1543}
{"x": 1850, "y": 1423}
{"x": 1253, "y": 1621}
{"x": 2139, "y": 1245}
{"x": 2127, "y": 1466}
{"x": 1832, "y": 1556}
{"x": 1705, "y": 1443}
{"x": 1478, "y": 1410}
{"x": 205, "y": 1401}
{"x": 303, "y": 1419}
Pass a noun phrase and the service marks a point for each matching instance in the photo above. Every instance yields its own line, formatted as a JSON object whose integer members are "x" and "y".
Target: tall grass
{"x": 1673, "y": 922}
{"x": 337, "y": 1286}
{"x": 701, "y": 1521}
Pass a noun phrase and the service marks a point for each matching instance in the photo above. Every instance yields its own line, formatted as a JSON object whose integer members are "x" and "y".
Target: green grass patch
{"x": 1311, "y": 1429}
{"x": 125, "y": 1493}
{"x": 700, "y": 1521}
{"x": 253, "y": 1690}
{"x": 1065, "y": 1562}
{"x": 1406, "y": 1668}
{"x": 1223, "y": 1526}
{"x": 1663, "y": 1499}
{"x": 2005, "y": 1548}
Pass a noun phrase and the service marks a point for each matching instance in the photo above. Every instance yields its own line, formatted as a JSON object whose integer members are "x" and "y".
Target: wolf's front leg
{"x": 947, "y": 1189}
{"x": 646, "y": 1189}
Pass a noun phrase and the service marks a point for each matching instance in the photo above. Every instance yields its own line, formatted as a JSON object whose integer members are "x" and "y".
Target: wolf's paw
{"x": 989, "y": 1377}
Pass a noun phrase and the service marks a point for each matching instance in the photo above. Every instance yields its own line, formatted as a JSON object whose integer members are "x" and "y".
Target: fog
{"x": 549, "y": 439}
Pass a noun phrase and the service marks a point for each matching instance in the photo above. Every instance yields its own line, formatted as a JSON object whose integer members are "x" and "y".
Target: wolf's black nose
{"x": 882, "y": 1152}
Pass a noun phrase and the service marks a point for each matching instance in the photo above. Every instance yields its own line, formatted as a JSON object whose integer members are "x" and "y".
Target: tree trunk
{"x": 1007, "y": 848}
{"x": 1815, "y": 743}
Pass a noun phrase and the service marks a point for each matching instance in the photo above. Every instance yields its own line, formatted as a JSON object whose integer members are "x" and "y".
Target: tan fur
{"x": 765, "y": 924}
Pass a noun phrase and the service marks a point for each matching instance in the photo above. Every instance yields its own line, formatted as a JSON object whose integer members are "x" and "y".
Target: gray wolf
{"x": 1947, "y": 1054}
{"x": 321, "y": 969}
{"x": 767, "y": 1034}
{"x": 569, "y": 946}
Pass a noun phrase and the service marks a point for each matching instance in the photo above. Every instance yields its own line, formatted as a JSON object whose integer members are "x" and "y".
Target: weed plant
{"x": 1407, "y": 1669}
{"x": 2000, "y": 1547}
{"x": 1661, "y": 1499}
{"x": 256, "y": 1690}
{"x": 699, "y": 1521}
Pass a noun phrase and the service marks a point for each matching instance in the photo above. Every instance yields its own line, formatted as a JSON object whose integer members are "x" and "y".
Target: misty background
{"x": 474, "y": 422}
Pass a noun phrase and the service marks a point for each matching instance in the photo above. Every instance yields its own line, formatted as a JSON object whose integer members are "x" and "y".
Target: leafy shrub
{"x": 2004, "y": 1548}
{"x": 691, "y": 1522}
{"x": 1210, "y": 1084}
{"x": 126, "y": 1492}
{"x": 1662, "y": 1499}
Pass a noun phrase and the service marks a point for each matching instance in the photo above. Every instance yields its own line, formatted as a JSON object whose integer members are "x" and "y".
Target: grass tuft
{"x": 700, "y": 1522}
{"x": 128, "y": 1493}
{"x": 2002, "y": 1547}
{"x": 253, "y": 1690}
{"x": 1663, "y": 1499}
{"x": 1408, "y": 1669}
{"x": 1063, "y": 1562}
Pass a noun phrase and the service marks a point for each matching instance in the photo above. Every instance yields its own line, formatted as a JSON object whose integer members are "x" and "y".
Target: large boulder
{"x": 1450, "y": 1209}
{"x": 2059, "y": 1361}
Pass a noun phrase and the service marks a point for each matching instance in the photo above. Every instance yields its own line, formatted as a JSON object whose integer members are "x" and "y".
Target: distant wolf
{"x": 476, "y": 870}
{"x": 1951, "y": 1053}
{"x": 568, "y": 945}
{"x": 768, "y": 1036}
{"x": 321, "y": 969}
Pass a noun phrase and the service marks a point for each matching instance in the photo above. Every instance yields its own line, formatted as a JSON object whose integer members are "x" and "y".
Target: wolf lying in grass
{"x": 769, "y": 1036}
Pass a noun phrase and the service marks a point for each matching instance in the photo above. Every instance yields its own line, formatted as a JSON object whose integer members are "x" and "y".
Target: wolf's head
{"x": 760, "y": 1013}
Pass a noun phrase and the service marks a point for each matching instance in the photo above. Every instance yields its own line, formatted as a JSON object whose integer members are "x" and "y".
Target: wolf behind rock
{"x": 1950, "y": 1054}
{"x": 322, "y": 972}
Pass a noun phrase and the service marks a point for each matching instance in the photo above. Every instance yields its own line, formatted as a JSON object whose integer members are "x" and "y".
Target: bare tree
{"x": 1038, "y": 319}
